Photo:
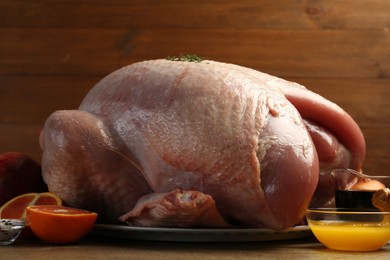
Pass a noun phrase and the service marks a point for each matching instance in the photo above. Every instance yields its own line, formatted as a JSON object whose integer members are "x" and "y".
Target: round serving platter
{"x": 199, "y": 234}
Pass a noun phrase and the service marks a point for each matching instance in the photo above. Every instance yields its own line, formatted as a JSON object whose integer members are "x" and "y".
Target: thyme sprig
{"x": 186, "y": 57}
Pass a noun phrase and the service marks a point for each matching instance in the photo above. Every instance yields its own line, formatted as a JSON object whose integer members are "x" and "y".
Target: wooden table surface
{"x": 102, "y": 248}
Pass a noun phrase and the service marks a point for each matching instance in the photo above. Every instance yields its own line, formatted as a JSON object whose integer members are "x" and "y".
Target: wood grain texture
{"x": 196, "y": 14}
{"x": 52, "y": 52}
{"x": 99, "y": 248}
{"x": 285, "y": 53}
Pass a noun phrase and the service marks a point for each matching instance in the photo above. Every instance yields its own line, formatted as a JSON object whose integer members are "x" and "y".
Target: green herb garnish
{"x": 186, "y": 57}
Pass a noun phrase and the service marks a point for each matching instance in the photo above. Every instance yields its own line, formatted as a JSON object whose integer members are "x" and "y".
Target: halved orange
{"x": 16, "y": 207}
{"x": 58, "y": 224}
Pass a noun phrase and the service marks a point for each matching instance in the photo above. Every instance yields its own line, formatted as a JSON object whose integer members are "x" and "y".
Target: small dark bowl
{"x": 356, "y": 199}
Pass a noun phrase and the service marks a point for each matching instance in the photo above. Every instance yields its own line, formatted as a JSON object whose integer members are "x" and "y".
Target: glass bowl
{"x": 10, "y": 229}
{"x": 350, "y": 229}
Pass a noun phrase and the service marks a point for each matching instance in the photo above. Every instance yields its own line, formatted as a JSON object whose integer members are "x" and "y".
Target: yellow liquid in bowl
{"x": 351, "y": 236}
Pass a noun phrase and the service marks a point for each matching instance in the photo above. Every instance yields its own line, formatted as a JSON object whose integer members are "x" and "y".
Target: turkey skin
{"x": 194, "y": 144}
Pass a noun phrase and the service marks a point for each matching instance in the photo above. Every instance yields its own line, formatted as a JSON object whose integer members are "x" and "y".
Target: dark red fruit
{"x": 19, "y": 174}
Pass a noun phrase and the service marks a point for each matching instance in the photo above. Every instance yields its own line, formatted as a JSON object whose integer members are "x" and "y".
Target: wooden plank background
{"x": 52, "y": 52}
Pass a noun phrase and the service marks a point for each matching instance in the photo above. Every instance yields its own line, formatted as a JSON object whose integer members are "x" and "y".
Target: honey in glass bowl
{"x": 349, "y": 229}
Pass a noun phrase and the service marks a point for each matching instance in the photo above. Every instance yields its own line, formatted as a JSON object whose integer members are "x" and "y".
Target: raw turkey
{"x": 196, "y": 144}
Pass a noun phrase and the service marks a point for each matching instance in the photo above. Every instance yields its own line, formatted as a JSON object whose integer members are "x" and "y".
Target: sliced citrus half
{"x": 59, "y": 224}
{"x": 16, "y": 207}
